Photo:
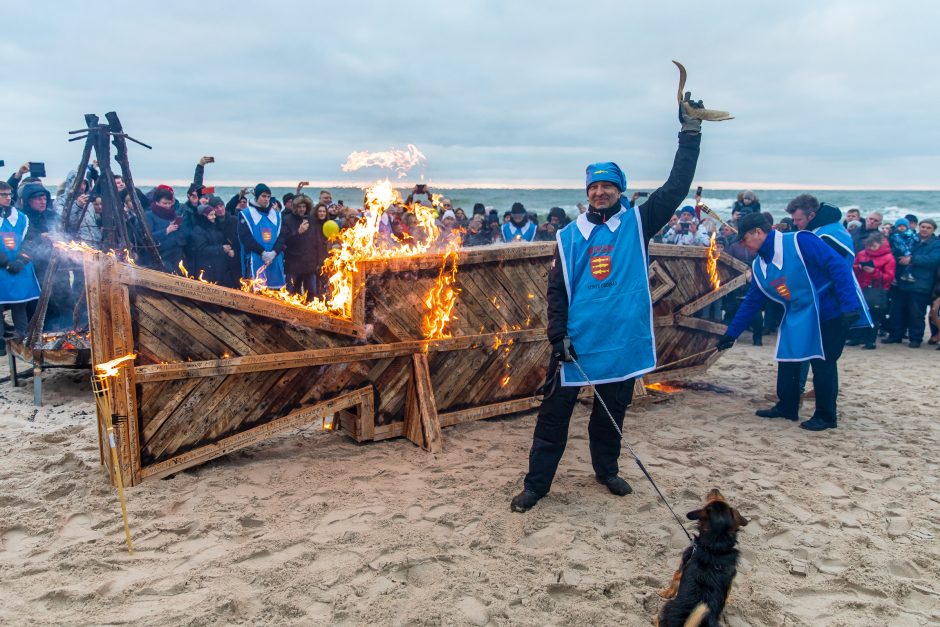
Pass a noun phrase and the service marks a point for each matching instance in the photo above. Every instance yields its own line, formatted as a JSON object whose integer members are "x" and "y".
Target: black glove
{"x": 850, "y": 319}
{"x": 4, "y": 259}
{"x": 15, "y": 266}
{"x": 562, "y": 350}
{"x": 690, "y": 124}
{"x": 725, "y": 342}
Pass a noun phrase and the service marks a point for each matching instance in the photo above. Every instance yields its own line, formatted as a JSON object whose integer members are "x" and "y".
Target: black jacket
{"x": 303, "y": 252}
{"x": 925, "y": 259}
{"x": 827, "y": 214}
{"x": 654, "y": 213}
{"x": 205, "y": 250}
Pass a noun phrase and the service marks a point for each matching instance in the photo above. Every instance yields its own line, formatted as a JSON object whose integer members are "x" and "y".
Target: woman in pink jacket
{"x": 874, "y": 269}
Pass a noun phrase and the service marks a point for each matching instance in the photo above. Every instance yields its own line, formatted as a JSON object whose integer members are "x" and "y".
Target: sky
{"x": 824, "y": 93}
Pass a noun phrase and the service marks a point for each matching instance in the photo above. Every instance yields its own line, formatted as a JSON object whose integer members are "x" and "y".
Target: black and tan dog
{"x": 701, "y": 586}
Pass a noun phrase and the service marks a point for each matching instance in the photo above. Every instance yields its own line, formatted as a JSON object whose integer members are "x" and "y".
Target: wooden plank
{"x": 234, "y": 299}
{"x": 710, "y": 297}
{"x": 124, "y": 385}
{"x": 344, "y": 354}
{"x": 700, "y": 324}
{"x": 660, "y": 280}
{"x": 467, "y": 256}
{"x": 427, "y": 405}
{"x": 254, "y": 435}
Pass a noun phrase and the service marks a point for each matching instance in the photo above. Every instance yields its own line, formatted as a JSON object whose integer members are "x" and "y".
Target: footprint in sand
{"x": 15, "y": 542}
{"x": 77, "y": 526}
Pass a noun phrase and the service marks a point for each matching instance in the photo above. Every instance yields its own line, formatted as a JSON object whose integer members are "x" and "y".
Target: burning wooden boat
{"x": 219, "y": 369}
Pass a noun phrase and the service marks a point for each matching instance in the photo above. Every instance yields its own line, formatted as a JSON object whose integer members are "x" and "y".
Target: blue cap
{"x": 688, "y": 209}
{"x": 606, "y": 171}
{"x": 901, "y": 222}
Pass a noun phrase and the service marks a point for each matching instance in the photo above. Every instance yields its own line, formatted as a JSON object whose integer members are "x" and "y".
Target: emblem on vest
{"x": 600, "y": 267}
{"x": 9, "y": 240}
{"x": 781, "y": 286}
{"x": 266, "y": 235}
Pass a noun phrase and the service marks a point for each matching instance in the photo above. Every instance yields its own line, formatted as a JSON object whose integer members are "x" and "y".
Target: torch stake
{"x": 102, "y": 388}
{"x": 712, "y": 214}
{"x": 636, "y": 458}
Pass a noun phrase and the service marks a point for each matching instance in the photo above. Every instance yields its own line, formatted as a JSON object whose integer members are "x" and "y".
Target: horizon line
{"x": 558, "y": 185}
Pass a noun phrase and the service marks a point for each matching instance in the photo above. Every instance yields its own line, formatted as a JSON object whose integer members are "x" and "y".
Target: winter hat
{"x": 688, "y": 209}
{"x": 605, "y": 171}
{"x": 31, "y": 190}
{"x": 261, "y": 188}
{"x": 287, "y": 197}
{"x": 215, "y": 201}
{"x": 448, "y": 214}
{"x": 518, "y": 208}
{"x": 478, "y": 208}
{"x": 854, "y": 224}
{"x": 901, "y": 222}
{"x": 205, "y": 210}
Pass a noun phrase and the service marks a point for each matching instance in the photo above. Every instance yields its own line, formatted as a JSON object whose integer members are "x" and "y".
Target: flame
{"x": 712, "y": 264}
{"x": 441, "y": 299}
{"x": 663, "y": 387}
{"x": 393, "y": 159}
{"x": 110, "y": 368}
{"x": 82, "y": 247}
{"x": 505, "y": 381}
{"x": 359, "y": 243}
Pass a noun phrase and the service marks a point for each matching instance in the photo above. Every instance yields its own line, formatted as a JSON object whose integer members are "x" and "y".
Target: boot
{"x": 524, "y": 501}
{"x": 616, "y": 485}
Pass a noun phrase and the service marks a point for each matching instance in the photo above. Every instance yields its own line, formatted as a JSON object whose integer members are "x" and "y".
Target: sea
{"x": 891, "y": 204}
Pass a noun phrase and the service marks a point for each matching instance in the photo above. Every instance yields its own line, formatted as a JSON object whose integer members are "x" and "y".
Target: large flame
{"x": 399, "y": 160}
{"x": 712, "y": 264}
{"x": 110, "y": 368}
{"x": 441, "y": 298}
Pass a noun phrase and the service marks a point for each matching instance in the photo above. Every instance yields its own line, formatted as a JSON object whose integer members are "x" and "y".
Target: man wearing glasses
{"x": 18, "y": 284}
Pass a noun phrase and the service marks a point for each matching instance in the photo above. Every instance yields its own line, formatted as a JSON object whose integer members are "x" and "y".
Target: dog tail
{"x": 697, "y": 616}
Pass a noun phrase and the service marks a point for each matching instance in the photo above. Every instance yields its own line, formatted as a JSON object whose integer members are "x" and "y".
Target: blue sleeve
{"x": 753, "y": 303}
{"x": 819, "y": 256}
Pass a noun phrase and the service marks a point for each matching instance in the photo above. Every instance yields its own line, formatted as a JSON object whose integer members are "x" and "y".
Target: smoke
{"x": 392, "y": 159}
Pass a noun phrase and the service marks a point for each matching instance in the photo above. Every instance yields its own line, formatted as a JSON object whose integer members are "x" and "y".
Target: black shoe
{"x": 524, "y": 501}
{"x": 773, "y": 412}
{"x": 816, "y": 425}
{"x": 870, "y": 346}
{"x": 758, "y": 341}
{"x": 914, "y": 345}
{"x": 890, "y": 340}
{"x": 616, "y": 485}
{"x": 852, "y": 342}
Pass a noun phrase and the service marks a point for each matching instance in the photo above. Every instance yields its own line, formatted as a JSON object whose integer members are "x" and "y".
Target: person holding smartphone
{"x": 170, "y": 232}
{"x": 875, "y": 269}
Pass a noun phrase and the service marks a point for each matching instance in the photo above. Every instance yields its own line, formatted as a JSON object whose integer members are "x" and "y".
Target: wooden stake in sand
{"x": 101, "y": 384}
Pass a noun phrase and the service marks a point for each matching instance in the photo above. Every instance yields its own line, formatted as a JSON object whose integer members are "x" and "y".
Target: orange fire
{"x": 441, "y": 298}
{"x": 200, "y": 278}
{"x": 110, "y": 368}
{"x": 663, "y": 387}
{"x": 82, "y": 247}
{"x": 712, "y": 264}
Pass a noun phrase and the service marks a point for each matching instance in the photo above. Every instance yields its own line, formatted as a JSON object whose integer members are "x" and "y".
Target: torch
{"x": 101, "y": 384}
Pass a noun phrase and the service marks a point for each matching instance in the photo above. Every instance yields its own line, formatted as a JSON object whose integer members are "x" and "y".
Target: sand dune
{"x": 313, "y": 528}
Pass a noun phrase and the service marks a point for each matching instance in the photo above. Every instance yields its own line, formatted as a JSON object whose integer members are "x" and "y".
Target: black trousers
{"x": 551, "y": 432}
{"x": 908, "y": 313}
{"x": 825, "y": 376}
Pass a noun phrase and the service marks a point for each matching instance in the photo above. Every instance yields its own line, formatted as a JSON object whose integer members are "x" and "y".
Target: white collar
{"x": 14, "y": 217}
{"x": 777, "y": 259}
{"x": 586, "y": 227}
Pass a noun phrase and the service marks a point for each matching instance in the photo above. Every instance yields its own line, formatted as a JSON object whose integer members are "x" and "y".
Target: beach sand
{"x": 312, "y": 528}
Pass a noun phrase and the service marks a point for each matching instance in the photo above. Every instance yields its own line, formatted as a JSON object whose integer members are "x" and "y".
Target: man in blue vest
{"x": 18, "y": 283}
{"x": 599, "y": 302}
{"x": 821, "y": 302}
{"x": 258, "y": 227}
{"x": 518, "y": 228}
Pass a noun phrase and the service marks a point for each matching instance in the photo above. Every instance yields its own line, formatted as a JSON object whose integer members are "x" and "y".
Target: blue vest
{"x": 265, "y": 231}
{"x": 610, "y": 311}
{"x": 511, "y": 233}
{"x": 22, "y": 286}
{"x": 834, "y": 232}
{"x": 800, "y": 336}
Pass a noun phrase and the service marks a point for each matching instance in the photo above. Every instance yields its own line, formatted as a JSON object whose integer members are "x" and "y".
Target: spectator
{"x": 304, "y": 245}
{"x": 462, "y": 219}
{"x": 912, "y": 222}
{"x": 886, "y": 230}
{"x": 169, "y": 229}
{"x": 874, "y": 270}
{"x": 479, "y": 210}
{"x": 850, "y": 215}
{"x": 18, "y": 282}
{"x": 872, "y": 224}
{"x": 518, "y": 228}
{"x": 747, "y": 202}
{"x": 910, "y": 299}
{"x": 448, "y": 230}
{"x": 686, "y": 231}
{"x": 902, "y": 242}
{"x": 287, "y": 201}
{"x": 545, "y": 232}
{"x": 477, "y": 234}
{"x": 558, "y": 217}
{"x": 667, "y": 228}
{"x": 89, "y": 230}
{"x": 207, "y": 251}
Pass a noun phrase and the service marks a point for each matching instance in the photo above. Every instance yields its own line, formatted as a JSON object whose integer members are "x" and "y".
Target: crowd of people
{"x": 285, "y": 241}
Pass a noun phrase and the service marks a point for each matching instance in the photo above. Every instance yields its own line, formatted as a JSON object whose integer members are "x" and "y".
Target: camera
{"x": 37, "y": 169}
{"x": 684, "y": 226}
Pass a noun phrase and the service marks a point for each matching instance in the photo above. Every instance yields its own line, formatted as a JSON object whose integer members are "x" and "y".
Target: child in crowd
{"x": 902, "y": 243}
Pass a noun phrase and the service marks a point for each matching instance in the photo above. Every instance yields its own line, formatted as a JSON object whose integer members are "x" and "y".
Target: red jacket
{"x": 884, "y": 262}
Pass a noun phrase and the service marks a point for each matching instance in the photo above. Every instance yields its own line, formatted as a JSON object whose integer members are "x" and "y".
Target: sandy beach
{"x": 312, "y": 528}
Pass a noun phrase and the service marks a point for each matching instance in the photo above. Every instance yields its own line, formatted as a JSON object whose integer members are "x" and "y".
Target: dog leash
{"x": 636, "y": 457}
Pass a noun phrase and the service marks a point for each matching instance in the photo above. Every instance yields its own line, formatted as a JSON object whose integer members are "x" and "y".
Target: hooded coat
{"x": 885, "y": 267}
{"x": 205, "y": 250}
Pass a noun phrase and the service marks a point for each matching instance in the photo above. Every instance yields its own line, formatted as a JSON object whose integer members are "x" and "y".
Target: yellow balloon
{"x": 330, "y": 229}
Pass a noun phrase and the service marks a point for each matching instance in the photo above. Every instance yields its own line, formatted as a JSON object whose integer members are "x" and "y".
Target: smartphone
{"x": 2, "y": 163}
{"x": 642, "y": 194}
{"x": 178, "y": 220}
{"x": 698, "y": 191}
{"x": 684, "y": 226}
{"x": 870, "y": 264}
{"x": 37, "y": 169}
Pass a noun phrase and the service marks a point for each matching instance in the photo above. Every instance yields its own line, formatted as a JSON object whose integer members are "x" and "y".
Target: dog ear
{"x": 696, "y": 514}
{"x": 739, "y": 520}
